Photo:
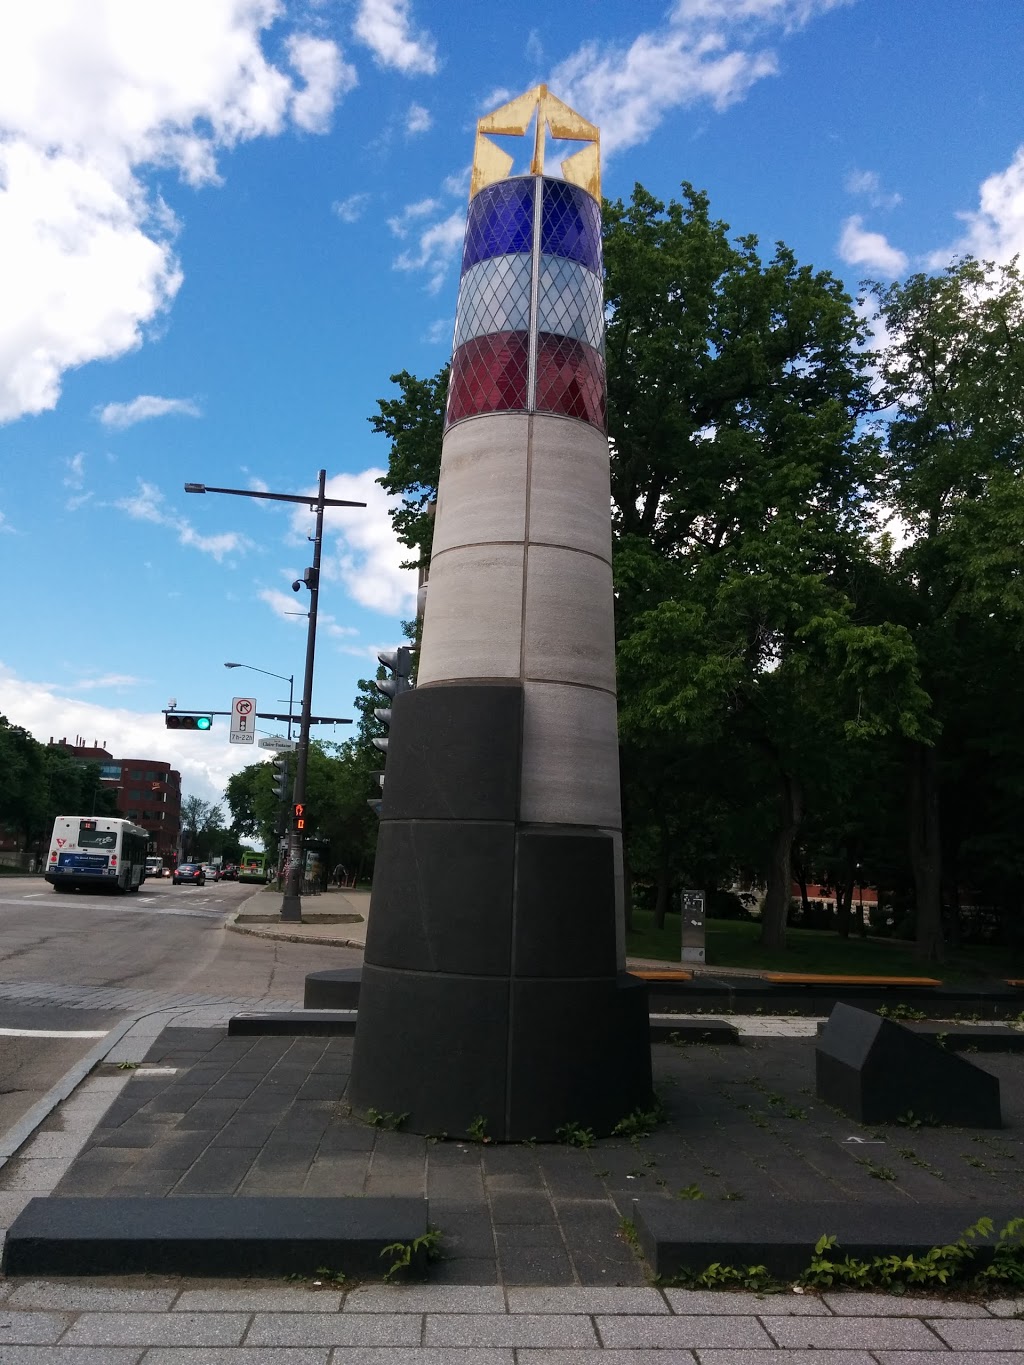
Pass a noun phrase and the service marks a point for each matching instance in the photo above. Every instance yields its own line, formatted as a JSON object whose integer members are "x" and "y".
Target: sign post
{"x": 691, "y": 905}
{"x": 243, "y": 720}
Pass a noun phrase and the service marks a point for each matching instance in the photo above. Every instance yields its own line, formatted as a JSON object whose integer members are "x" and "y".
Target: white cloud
{"x": 46, "y": 711}
{"x": 146, "y": 406}
{"x": 995, "y": 230}
{"x": 119, "y": 680}
{"x": 439, "y": 330}
{"x": 90, "y": 94}
{"x": 399, "y": 224}
{"x": 75, "y": 477}
{"x": 439, "y": 245}
{"x": 707, "y": 52}
{"x": 289, "y": 606}
{"x": 366, "y": 555}
{"x": 418, "y": 120}
{"x": 147, "y": 504}
{"x": 327, "y": 77}
{"x": 871, "y": 250}
{"x": 350, "y": 210}
{"x": 384, "y": 26}
{"x": 868, "y": 184}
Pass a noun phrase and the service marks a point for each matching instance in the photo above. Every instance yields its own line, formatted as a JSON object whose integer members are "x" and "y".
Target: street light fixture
{"x": 290, "y": 681}
{"x": 291, "y": 902}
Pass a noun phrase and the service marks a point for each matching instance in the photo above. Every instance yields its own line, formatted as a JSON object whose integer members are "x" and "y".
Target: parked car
{"x": 189, "y": 874}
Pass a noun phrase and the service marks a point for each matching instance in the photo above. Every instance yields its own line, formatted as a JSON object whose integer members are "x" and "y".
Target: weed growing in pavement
{"x": 908, "y": 1154}
{"x": 574, "y": 1135}
{"x": 900, "y": 1011}
{"x": 402, "y": 1253}
{"x": 975, "y": 1161}
{"x": 390, "y": 1122}
{"x": 477, "y": 1130}
{"x": 793, "y": 1111}
{"x": 642, "y": 1121}
{"x": 912, "y": 1120}
{"x": 876, "y": 1171}
{"x": 128, "y": 1066}
{"x": 326, "y": 1276}
{"x": 690, "y": 1192}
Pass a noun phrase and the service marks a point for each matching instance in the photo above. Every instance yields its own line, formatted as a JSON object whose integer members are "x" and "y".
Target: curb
{"x": 295, "y": 938}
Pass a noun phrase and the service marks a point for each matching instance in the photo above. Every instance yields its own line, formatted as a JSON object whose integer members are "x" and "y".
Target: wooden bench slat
{"x": 813, "y": 978}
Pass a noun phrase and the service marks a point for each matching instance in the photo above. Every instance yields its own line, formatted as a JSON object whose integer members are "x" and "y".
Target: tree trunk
{"x": 801, "y": 876}
{"x": 780, "y": 874}
{"x": 926, "y": 853}
{"x": 664, "y": 880}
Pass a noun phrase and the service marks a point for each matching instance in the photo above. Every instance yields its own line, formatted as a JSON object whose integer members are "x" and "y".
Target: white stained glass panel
{"x": 494, "y": 297}
{"x": 571, "y": 302}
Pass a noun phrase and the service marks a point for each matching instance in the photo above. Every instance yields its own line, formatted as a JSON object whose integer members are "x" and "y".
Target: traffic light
{"x": 281, "y": 775}
{"x": 400, "y": 662}
{"x": 175, "y": 721}
{"x": 300, "y": 815}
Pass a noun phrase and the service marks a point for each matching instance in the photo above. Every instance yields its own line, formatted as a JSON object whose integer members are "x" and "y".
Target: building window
{"x": 110, "y": 772}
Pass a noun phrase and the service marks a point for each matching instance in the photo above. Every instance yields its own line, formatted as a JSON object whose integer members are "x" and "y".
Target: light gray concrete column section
{"x": 472, "y": 627}
{"x": 481, "y": 497}
{"x": 570, "y": 773}
{"x": 570, "y": 494}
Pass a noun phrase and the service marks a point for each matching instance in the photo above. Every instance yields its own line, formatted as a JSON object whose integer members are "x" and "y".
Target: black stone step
{"x": 210, "y": 1236}
{"x": 294, "y": 1023}
{"x": 780, "y": 1234}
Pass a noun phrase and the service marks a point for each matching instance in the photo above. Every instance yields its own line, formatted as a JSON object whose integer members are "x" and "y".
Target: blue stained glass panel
{"x": 494, "y": 297}
{"x": 571, "y": 224}
{"x": 500, "y": 221}
{"x": 571, "y": 301}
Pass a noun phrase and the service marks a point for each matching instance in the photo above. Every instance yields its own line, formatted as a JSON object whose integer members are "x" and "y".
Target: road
{"x": 73, "y": 966}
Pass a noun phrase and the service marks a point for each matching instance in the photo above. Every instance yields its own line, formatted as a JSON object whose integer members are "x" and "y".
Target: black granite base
{"x": 293, "y": 1023}
{"x": 780, "y": 1235}
{"x": 878, "y": 1071}
{"x": 209, "y": 1236}
{"x": 333, "y": 990}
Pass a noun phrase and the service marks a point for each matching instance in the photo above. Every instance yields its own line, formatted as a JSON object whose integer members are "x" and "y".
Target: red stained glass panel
{"x": 489, "y": 374}
{"x": 570, "y": 379}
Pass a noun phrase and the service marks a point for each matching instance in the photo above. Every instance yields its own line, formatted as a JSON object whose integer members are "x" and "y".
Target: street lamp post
{"x": 290, "y": 681}
{"x": 291, "y": 901}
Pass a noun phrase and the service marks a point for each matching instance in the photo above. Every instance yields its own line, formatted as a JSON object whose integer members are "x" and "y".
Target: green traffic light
{"x": 203, "y": 722}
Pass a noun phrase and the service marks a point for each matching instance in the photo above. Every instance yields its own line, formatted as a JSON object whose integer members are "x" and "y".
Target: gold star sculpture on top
{"x": 491, "y": 163}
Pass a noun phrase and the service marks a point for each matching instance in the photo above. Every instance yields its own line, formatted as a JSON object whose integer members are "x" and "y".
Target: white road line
{"x": 53, "y": 1033}
{"x": 35, "y": 895}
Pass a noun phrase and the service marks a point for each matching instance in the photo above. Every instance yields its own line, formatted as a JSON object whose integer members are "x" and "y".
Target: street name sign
{"x": 278, "y": 743}
{"x": 243, "y": 720}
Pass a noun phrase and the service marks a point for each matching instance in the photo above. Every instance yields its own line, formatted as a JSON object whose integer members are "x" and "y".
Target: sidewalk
{"x": 335, "y": 918}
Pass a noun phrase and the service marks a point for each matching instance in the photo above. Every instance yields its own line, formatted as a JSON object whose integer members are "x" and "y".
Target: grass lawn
{"x": 733, "y": 943}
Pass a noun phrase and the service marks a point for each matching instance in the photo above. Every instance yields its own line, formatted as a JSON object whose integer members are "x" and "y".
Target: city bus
{"x": 254, "y": 867}
{"x": 96, "y": 850}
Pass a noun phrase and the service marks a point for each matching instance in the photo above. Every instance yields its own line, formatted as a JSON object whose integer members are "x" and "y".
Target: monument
{"x": 494, "y": 997}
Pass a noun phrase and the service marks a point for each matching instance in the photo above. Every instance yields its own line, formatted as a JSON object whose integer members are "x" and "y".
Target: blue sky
{"x": 223, "y": 226}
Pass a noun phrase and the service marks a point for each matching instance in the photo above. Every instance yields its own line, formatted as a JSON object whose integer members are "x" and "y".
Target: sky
{"x": 224, "y": 226}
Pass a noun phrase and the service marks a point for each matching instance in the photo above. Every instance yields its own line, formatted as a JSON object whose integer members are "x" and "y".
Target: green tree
{"x": 953, "y": 379}
{"x": 202, "y": 826}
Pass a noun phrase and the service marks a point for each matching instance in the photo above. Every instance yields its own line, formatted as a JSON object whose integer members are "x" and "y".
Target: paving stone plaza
{"x": 535, "y": 1267}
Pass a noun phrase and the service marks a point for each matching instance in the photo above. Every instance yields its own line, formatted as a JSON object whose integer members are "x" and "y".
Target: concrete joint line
{"x": 524, "y": 544}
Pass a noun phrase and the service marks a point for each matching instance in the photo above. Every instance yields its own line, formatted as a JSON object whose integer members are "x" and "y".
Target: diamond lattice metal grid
{"x": 489, "y": 375}
{"x": 494, "y": 297}
{"x": 570, "y": 379}
{"x": 571, "y": 224}
{"x": 571, "y": 301}
{"x": 500, "y": 221}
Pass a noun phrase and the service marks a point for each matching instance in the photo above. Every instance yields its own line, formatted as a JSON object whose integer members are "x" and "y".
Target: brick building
{"x": 148, "y": 792}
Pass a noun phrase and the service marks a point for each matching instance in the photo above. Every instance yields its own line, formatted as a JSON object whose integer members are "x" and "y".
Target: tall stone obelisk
{"x": 493, "y": 983}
